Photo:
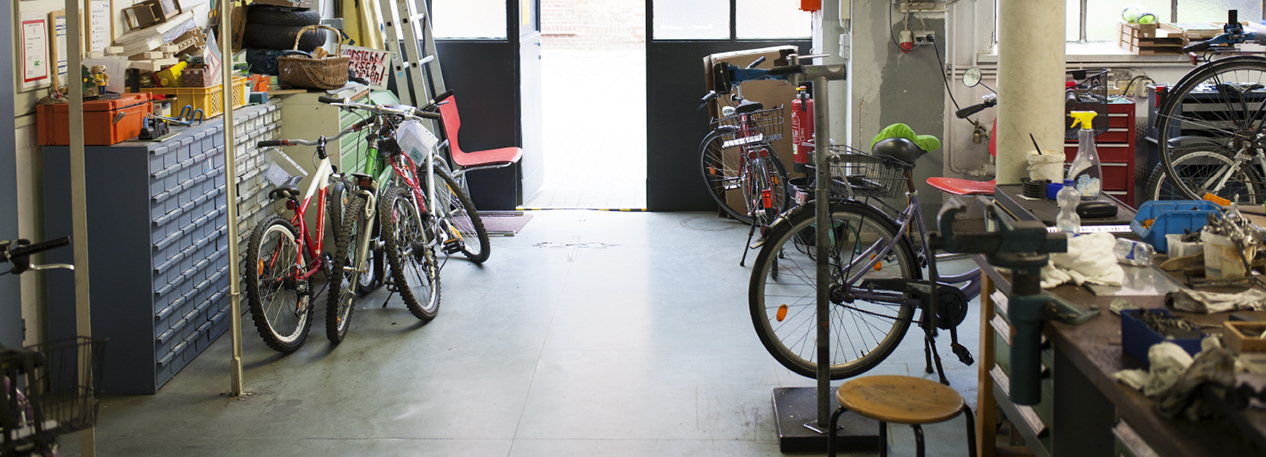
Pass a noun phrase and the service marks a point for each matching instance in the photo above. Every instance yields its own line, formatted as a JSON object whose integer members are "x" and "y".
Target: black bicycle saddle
{"x": 898, "y": 148}
{"x": 748, "y": 106}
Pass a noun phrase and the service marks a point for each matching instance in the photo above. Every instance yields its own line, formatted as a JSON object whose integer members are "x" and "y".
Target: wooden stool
{"x": 903, "y": 400}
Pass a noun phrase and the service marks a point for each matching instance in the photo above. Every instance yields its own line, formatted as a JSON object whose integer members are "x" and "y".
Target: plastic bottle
{"x": 1085, "y": 171}
{"x": 1068, "y": 198}
{"x": 1132, "y": 252}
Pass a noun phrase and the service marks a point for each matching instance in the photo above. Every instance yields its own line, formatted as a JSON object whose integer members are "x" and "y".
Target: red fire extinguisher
{"x": 801, "y": 130}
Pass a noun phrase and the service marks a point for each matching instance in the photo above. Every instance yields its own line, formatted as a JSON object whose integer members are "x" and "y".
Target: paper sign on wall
{"x": 35, "y": 66}
{"x": 371, "y": 64}
{"x": 100, "y": 27}
{"x": 59, "y": 58}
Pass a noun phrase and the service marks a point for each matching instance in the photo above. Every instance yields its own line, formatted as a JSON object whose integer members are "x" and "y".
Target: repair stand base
{"x": 796, "y": 406}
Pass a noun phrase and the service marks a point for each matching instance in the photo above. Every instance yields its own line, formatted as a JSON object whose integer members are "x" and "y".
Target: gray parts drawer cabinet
{"x": 158, "y": 252}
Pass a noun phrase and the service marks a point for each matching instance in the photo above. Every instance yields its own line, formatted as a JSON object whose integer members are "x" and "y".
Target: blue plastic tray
{"x": 1171, "y": 217}
{"x": 1136, "y": 338}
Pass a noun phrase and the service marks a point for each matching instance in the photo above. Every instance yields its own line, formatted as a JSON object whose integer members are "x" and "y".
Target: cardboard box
{"x": 106, "y": 122}
{"x": 771, "y": 94}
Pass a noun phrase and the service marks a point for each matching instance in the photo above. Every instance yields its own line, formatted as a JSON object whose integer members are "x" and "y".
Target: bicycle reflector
{"x": 767, "y": 198}
{"x": 782, "y": 312}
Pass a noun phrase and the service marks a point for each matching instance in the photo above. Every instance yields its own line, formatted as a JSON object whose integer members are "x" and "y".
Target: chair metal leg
{"x": 918, "y": 439}
{"x": 971, "y": 431}
{"x": 883, "y": 439}
{"x": 832, "y": 426}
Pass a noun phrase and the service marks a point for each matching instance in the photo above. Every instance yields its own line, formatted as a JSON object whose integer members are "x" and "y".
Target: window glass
{"x": 691, "y": 20}
{"x": 772, "y": 19}
{"x": 469, "y": 18}
{"x": 1072, "y": 20}
{"x": 1215, "y": 10}
{"x": 1102, "y": 16}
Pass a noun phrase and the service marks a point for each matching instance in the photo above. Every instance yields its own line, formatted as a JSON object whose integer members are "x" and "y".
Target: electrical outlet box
{"x": 920, "y": 36}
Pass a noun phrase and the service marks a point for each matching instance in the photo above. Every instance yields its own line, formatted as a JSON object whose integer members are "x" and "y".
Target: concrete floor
{"x": 589, "y": 333}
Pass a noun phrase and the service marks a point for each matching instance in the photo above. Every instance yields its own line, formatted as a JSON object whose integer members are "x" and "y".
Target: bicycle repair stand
{"x": 801, "y": 414}
{"x": 1024, "y": 247}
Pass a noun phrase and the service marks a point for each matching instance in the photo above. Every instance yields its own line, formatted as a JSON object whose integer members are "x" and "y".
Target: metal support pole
{"x": 78, "y": 199}
{"x": 821, "y": 141}
{"x": 230, "y": 190}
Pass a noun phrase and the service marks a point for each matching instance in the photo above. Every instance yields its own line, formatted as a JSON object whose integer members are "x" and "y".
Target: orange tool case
{"x": 106, "y": 122}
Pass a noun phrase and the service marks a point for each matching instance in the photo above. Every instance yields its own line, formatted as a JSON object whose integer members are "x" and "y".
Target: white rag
{"x": 1195, "y": 301}
{"x": 1168, "y": 361}
{"x": 1089, "y": 260}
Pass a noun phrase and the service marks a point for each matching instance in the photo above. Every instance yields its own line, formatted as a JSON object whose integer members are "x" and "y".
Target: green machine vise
{"x": 1024, "y": 247}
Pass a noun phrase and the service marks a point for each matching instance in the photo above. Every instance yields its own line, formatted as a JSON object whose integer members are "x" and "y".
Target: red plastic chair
{"x": 473, "y": 160}
{"x": 966, "y": 186}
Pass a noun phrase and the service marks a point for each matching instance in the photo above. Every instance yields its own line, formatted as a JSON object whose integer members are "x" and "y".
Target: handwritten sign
{"x": 371, "y": 64}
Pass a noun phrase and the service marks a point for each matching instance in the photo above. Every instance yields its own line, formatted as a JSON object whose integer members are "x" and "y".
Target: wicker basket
{"x": 308, "y": 73}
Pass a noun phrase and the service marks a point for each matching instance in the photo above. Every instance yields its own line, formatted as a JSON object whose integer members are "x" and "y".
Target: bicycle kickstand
{"x": 748, "y": 245}
{"x": 929, "y": 348}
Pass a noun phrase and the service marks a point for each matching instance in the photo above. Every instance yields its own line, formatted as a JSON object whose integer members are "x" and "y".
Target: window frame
{"x": 1085, "y": 5}
{"x": 733, "y": 36}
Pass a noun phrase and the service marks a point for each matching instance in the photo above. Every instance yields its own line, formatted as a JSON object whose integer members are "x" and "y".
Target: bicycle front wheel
{"x": 459, "y": 217}
{"x": 721, "y": 169}
{"x": 783, "y": 291}
{"x": 347, "y": 268}
{"x": 279, "y": 296}
{"x": 1204, "y": 165}
{"x": 1219, "y": 105}
{"x": 410, "y": 253}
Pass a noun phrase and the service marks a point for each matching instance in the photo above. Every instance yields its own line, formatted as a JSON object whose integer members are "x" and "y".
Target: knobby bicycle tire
{"x": 410, "y": 253}
{"x": 341, "y": 298}
{"x": 460, "y": 211}
{"x": 1210, "y": 106}
{"x": 783, "y": 309}
{"x": 282, "y": 320}
{"x": 337, "y": 194}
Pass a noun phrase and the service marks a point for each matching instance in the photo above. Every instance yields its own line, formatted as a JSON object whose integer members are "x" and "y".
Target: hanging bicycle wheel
{"x": 783, "y": 291}
{"x": 1221, "y": 106}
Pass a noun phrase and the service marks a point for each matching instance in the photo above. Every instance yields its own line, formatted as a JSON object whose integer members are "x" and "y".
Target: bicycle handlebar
{"x": 352, "y": 128}
{"x": 756, "y": 62}
{"x": 331, "y": 100}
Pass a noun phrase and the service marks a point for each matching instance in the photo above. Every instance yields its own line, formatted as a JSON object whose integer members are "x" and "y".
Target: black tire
{"x": 269, "y": 294}
{"x": 460, "y": 212}
{"x": 282, "y": 38}
{"x": 772, "y": 175}
{"x": 342, "y": 296}
{"x": 1206, "y": 107}
{"x": 336, "y": 199}
{"x": 1194, "y": 161}
{"x": 287, "y": 17}
{"x": 789, "y": 334}
{"x": 410, "y": 253}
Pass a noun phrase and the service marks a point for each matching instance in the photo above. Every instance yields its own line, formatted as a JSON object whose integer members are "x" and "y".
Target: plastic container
{"x": 1180, "y": 248}
{"x": 106, "y": 122}
{"x": 1170, "y": 217}
{"x": 1137, "y": 338}
{"x": 1132, "y": 252}
{"x": 206, "y": 99}
{"x": 1222, "y": 257}
{"x": 1068, "y": 198}
{"x": 1085, "y": 170}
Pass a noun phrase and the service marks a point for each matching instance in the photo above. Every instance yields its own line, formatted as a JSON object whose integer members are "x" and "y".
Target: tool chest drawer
{"x": 158, "y": 247}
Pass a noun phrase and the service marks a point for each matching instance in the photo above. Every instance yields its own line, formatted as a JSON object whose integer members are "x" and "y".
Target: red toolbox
{"x": 106, "y": 122}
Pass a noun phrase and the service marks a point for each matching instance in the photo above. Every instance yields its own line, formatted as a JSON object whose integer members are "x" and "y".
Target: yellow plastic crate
{"x": 206, "y": 99}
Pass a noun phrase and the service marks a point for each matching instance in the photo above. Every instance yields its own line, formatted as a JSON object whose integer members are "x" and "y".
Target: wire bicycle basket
{"x": 48, "y": 390}
{"x": 867, "y": 175}
{"x": 764, "y": 126}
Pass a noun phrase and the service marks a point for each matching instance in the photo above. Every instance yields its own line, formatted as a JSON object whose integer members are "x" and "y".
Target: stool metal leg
{"x": 830, "y": 434}
{"x": 918, "y": 439}
{"x": 883, "y": 439}
{"x": 971, "y": 431}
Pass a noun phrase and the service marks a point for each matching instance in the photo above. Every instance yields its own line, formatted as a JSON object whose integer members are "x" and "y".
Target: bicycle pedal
{"x": 757, "y": 244}
{"x": 452, "y": 246}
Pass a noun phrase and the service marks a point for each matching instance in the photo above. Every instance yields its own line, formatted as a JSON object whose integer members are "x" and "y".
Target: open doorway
{"x": 593, "y": 92}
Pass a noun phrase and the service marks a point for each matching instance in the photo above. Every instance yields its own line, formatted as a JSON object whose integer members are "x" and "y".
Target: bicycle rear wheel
{"x": 721, "y": 170}
{"x": 459, "y": 213}
{"x": 1222, "y": 104}
{"x": 768, "y": 176}
{"x": 410, "y": 253}
{"x": 1204, "y": 162}
{"x": 279, "y": 297}
{"x": 342, "y": 289}
{"x": 783, "y": 291}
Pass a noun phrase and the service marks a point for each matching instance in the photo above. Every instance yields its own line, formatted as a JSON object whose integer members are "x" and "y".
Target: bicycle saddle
{"x": 898, "y": 148}
{"x": 748, "y": 106}
{"x": 284, "y": 193}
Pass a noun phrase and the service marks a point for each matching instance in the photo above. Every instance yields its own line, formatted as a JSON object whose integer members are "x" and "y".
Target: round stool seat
{"x": 900, "y": 399}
